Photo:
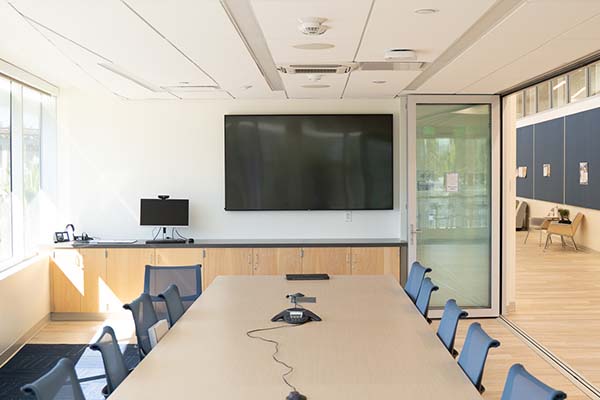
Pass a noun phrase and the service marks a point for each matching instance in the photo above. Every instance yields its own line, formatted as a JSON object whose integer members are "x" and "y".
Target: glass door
{"x": 454, "y": 198}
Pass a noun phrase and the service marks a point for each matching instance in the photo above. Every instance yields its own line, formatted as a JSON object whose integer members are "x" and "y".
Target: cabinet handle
{"x": 301, "y": 253}
{"x": 249, "y": 259}
{"x": 257, "y": 259}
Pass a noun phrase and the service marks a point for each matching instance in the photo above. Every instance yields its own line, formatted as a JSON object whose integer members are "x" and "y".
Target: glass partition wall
{"x": 453, "y": 214}
{"x": 554, "y": 149}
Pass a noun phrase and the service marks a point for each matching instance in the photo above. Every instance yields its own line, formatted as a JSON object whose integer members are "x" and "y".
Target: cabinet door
{"x": 326, "y": 260}
{"x": 95, "y": 291}
{"x": 391, "y": 261}
{"x": 218, "y": 261}
{"x": 277, "y": 261}
{"x": 178, "y": 257}
{"x": 125, "y": 274}
{"x": 66, "y": 281}
{"x": 367, "y": 260}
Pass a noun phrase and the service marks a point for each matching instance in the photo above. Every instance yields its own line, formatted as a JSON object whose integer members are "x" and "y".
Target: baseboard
{"x": 510, "y": 308}
{"x": 20, "y": 342}
{"x": 88, "y": 316}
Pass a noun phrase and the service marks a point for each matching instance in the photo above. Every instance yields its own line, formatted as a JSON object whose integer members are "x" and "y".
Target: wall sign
{"x": 452, "y": 182}
{"x": 583, "y": 173}
{"x": 546, "y": 170}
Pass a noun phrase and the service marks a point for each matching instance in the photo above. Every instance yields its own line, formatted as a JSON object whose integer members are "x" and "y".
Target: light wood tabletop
{"x": 371, "y": 344}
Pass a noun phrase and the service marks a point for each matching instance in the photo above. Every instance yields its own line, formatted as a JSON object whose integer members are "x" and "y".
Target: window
{"x": 5, "y": 173}
{"x": 594, "y": 72}
{"x": 26, "y": 115}
{"x": 559, "y": 91}
{"x": 530, "y": 99}
{"x": 519, "y": 104}
{"x": 577, "y": 85}
{"x": 543, "y": 96}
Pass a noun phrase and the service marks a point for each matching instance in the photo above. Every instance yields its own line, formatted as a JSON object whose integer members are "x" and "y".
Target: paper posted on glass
{"x": 583, "y": 173}
{"x": 522, "y": 172}
{"x": 452, "y": 182}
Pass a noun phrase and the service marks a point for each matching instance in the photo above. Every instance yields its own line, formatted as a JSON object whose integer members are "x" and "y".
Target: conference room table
{"x": 371, "y": 344}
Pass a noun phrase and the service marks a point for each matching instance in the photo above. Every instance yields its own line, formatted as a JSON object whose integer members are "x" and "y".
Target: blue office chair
{"x": 447, "y": 328}
{"x": 427, "y": 288}
{"x": 187, "y": 278}
{"x": 415, "y": 279}
{"x": 474, "y": 354}
{"x": 521, "y": 385}
{"x": 60, "y": 383}
{"x": 175, "y": 307}
{"x": 144, "y": 317}
{"x": 112, "y": 358}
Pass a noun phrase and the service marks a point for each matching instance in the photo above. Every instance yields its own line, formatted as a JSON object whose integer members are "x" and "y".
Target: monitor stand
{"x": 165, "y": 239}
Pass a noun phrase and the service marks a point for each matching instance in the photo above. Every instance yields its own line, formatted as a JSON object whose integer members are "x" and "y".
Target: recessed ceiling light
{"x": 314, "y": 46}
{"x": 427, "y": 11}
{"x": 315, "y": 86}
{"x": 379, "y": 82}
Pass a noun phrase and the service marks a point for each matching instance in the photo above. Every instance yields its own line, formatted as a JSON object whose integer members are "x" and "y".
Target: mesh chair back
{"x": 187, "y": 278}
{"x": 521, "y": 385}
{"x": 447, "y": 328}
{"x": 427, "y": 287}
{"x": 144, "y": 317}
{"x": 59, "y": 384}
{"x": 114, "y": 363}
{"x": 415, "y": 279}
{"x": 474, "y": 353}
{"x": 172, "y": 299}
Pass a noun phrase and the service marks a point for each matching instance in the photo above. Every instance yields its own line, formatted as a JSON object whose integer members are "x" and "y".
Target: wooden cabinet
{"x": 326, "y": 260}
{"x": 66, "y": 277}
{"x": 125, "y": 274}
{"x": 96, "y": 280}
{"x": 95, "y": 291}
{"x": 277, "y": 261}
{"x": 226, "y": 261}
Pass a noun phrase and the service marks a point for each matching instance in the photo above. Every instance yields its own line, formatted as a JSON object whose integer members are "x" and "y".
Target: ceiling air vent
{"x": 316, "y": 68}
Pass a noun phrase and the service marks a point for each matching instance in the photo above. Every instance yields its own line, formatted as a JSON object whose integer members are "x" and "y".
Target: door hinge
{"x": 105, "y": 253}
{"x": 203, "y": 253}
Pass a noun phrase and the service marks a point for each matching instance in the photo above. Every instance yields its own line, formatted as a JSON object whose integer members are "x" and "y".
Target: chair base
{"x": 481, "y": 389}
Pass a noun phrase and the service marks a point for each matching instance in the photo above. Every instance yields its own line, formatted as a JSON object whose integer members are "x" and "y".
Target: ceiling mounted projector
{"x": 400, "y": 54}
{"x": 312, "y": 26}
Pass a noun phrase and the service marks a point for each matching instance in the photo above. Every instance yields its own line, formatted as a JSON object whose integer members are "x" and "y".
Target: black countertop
{"x": 202, "y": 243}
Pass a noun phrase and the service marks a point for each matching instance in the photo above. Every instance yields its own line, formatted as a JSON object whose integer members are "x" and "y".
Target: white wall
{"x": 113, "y": 152}
{"x": 24, "y": 299}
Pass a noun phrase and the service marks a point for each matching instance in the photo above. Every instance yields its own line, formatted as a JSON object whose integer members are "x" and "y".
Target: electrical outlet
{"x": 348, "y": 216}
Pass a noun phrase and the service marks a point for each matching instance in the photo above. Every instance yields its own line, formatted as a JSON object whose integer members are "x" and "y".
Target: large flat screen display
{"x": 172, "y": 212}
{"x": 309, "y": 162}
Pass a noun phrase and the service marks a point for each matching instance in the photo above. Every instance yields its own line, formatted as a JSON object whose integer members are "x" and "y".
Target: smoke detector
{"x": 400, "y": 54}
{"x": 312, "y": 26}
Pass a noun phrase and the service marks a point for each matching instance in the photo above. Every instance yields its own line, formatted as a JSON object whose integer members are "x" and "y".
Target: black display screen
{"x": 172, "y": 212}
{"x": 309, "y": 162}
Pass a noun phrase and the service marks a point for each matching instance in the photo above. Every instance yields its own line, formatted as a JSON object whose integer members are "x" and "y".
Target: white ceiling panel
{"x": 202, "y": 30}
{"x": 109, "y": 80}
{"x": 112, "y": 31}
{"x": 362, "y": 85}
{"x": 513, "y": 51}
{"x": 394, "y": 24}
{"x": 279, "y": 23}
{"x": 583, "y": 39}
{"x": 295, "y": 83}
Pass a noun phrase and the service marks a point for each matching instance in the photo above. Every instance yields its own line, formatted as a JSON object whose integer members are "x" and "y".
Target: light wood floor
{"x": 511, "y": 351}
{"x": 558, "y": 302}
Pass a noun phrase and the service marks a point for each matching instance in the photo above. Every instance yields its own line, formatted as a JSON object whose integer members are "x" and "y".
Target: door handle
{"x": 413, "y": 232}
